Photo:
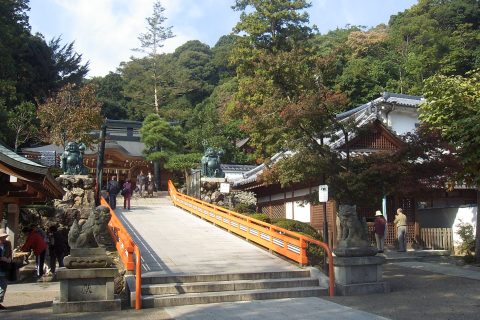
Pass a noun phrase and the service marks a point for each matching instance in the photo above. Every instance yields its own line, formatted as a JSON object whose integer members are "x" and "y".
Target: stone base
{"x": 361, "y": 288}
{"x": 87, "y": 258}
{"x": 355, "y": 251}
{"x": 87, "y": 306}
{"x": 359, "y": 275}
{"x": 86, "y": 290}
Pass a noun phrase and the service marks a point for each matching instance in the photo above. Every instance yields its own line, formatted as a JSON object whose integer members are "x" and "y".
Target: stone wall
{"x": 210, "y": 192}
{"x": 78, "y": 201}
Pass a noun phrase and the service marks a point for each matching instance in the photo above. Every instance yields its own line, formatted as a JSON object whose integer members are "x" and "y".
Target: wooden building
{"x": 124, "y": 156}
{"x": 22, "y": 182}
{"x": 380, "y": 123}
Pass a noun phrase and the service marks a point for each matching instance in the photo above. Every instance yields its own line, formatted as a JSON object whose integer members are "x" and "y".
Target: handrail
{"x": 126, "y": 248}
{"x": 290, "y": 244}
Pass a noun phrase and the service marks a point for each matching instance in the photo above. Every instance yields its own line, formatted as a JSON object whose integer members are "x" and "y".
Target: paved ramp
{"x": 172, "y": 241}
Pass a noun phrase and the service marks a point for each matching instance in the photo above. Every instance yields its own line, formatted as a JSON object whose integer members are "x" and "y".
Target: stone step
{"x": 158, "y": 301}
{"x": 217, "y": 286}
{"x": 225, "y": 277}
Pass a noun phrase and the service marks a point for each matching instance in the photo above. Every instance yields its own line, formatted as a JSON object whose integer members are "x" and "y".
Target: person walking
{"x": 127, "y": 194}
{"x": 141, "y": 181}
{"x": 113, "y": 188}
{"x": 5, "y": 264}
{"x": 380, "y": 228}
{"x": 401, "y": 224}
{"x": 37, "y": 243}
{"x": 57, "y": 247}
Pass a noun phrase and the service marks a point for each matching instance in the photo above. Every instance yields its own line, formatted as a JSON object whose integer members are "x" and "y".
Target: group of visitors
{"x": 144, "y": 183}
{"x": 380, "y": 227}
{"x": 113, "y": 189}
{"x": 54, "y": 242}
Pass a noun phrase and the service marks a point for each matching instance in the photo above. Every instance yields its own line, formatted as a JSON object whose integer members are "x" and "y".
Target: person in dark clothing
{"x": 141, "y": 181}
{"x": 5, "y": 259}
{"x": 113, "y": 188}
{"x": 37, "y": 243}
{"x": 380, "y": 225}
{"x": 58, "y": 247}
{"x": 127, "y": 194}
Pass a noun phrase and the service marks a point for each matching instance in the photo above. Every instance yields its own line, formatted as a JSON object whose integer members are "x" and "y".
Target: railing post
{"x": 303, "y": 252}
{"x": 138, "y": 279}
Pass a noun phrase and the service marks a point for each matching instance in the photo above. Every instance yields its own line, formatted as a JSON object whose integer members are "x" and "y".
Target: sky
{"x": 106, "y": 31}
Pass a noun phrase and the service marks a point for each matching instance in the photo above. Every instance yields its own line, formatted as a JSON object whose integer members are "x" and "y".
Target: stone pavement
{"x": 173, "y": 241}
{"x": 420, "y": 290}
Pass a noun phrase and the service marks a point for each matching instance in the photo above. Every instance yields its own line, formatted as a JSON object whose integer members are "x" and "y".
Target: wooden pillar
{"x": 13, "y": 214}
{"x": 1, "y": 214}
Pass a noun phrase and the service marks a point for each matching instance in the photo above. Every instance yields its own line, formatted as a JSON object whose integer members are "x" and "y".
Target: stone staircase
{"x": 165, "y": 291}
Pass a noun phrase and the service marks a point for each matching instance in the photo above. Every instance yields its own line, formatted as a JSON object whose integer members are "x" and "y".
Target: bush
{"x": 300, "y": 227}
{"x": 244, "y": 208}
{"x": 315, "y": 253}
{"x": 467, "y": 247}
{"x": 260, "y": 216}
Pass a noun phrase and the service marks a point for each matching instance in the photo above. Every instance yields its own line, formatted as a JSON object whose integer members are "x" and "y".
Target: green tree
{"x": 109, "y": 91}
{"x": 162, "y": 140}
{"x": 70, "y": 115}
{"x": 282, "y": 99}
{"x": 184, "y": 162}
{"x": 23, "y": 122}
{"x": 68, "y": 65}
{"x": 153, "y": 39}
{"x": 453, "y": 107}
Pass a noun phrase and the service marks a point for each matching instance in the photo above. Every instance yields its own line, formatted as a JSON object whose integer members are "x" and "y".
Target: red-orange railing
{"x": 287, "y": 243}
{"x": 126, "y": 248}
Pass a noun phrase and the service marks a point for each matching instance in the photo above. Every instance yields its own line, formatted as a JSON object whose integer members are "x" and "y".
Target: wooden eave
{"x": 29, "y": 187}
{"x": 374, "y": 128}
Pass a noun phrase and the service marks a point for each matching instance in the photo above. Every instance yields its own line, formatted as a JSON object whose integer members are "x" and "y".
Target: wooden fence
{"x": 429, "y": 238}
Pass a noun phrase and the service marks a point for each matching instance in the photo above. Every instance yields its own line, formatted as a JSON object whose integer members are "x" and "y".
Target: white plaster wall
{"x": 289, "y": 210}
{"x": 302, "y": 211}
{"x": 231, "y": 176}
{"x": 466, "y": 215}
{"x": 402, "y": 122}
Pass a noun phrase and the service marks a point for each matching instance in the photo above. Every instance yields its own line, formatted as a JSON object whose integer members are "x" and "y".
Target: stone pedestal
{"x": 87, "y": 289}
{"x": 359, "y": 275}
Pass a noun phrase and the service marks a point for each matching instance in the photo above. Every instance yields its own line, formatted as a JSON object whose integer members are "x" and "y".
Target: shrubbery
{"x": 244, "y": 208}
{"x": 314, "y": 253}
{"x": 260, "y": 216}
{"x": 467, "y": 247}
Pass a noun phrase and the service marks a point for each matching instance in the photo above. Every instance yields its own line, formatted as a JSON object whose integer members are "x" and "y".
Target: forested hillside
{"x": 261, "y": 81}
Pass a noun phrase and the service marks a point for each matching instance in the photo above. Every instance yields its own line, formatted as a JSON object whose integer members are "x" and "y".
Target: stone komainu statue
{"x": 93, "y": 233}
{"x": 352, "y": 231}
{"x": 72, "y": 159}
{"x": 211, "y": 164}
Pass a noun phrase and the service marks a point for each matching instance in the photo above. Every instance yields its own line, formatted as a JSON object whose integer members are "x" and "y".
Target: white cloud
{"x": 106, "y": 31}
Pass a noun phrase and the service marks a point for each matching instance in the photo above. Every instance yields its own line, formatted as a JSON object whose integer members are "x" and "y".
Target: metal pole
{"x": 325, "y": 230}
{"x": 100, "y": 158}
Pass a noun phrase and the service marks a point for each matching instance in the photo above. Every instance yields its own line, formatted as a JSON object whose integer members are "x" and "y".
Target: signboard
{"x": 323, "y": 193}
{"x": 225, "y": 187}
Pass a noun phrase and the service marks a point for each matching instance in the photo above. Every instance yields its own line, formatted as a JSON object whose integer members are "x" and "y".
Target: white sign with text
{"x": 323, "y": 193}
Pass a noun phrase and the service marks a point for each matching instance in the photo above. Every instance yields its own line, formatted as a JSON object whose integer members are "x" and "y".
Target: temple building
{"x": 22, "y": 182}
{"x": 124, "y": 156}
{"x": 382, "y": 121}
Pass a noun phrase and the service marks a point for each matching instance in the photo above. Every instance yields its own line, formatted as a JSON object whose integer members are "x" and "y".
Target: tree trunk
{"x": 156, "y": 173}
{"x": 477, "y": 231}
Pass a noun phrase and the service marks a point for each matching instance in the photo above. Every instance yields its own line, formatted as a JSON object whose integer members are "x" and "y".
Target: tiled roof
{"x": 236, "y": 167}
{"x": 361, "y": 115}
{"x": 17, "y": 161}
{"x": 402, "y": 99}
